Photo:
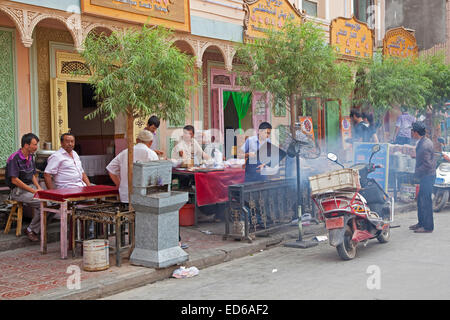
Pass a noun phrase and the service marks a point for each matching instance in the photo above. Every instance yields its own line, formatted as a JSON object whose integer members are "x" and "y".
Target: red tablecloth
{"x": 71, "y": 193}
{"x": 212, "y": 187}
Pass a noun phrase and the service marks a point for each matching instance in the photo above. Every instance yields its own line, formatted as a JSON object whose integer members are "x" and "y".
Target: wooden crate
{"x": 339, "y": 180}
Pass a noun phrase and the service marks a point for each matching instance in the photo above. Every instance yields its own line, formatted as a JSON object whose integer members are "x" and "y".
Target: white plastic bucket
{"x": 95, "y": 255}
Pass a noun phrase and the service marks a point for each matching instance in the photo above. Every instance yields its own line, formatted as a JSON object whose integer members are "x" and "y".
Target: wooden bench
{"x": 15, "y": 214}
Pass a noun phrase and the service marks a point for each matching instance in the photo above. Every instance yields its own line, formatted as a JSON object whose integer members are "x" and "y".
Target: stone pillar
{"x": 157, "y": 221}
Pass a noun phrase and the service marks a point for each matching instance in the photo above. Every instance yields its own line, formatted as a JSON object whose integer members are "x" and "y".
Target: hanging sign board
{"x": 352, "y": 38}
{"x": 169, "y": 13}
{"x": 261, "y": 15}
{"x": 401, "y": 43}
{"x": 306, "y": 125}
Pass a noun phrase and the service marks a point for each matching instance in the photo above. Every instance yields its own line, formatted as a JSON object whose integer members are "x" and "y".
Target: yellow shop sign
{"x": 170, "y": 13}
{"x": 399, "y": 42}
{"x": 261, "y": 15}
{"x": 352, "y": 38}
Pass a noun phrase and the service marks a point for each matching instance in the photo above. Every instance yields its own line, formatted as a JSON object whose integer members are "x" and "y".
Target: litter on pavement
{"x": 183, "y": 272}
{"x": 321, "y": 238}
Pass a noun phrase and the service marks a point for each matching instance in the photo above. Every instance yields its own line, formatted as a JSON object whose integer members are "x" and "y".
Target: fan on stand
{"x": 301, "y": 146}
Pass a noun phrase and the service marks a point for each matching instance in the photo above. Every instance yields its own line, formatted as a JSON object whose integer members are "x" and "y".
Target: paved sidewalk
{"x": 27, "y": 274}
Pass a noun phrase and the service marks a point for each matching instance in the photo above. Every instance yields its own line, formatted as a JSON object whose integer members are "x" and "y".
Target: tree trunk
{"x": 293, "y": 113}
{"x": 130, "y": 145}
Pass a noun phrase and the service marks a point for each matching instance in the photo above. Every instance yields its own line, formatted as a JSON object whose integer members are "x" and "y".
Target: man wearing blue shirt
{"x": 251, "y": 148}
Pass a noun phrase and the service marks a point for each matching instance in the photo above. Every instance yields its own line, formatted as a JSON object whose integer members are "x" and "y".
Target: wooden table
{"x": 63, "y": 197}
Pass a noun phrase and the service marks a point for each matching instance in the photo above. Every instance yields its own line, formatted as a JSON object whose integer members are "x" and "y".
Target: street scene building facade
{"x": 42, "y": 42}
{"x": 338, "y": 164}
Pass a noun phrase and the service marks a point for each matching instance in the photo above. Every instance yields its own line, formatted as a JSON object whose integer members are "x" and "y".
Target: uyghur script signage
{"x": 170, "y": 13}
{"x": 262, "y": 15}
{"x": 401, "y": 43}
{"x": 352, "y": 38}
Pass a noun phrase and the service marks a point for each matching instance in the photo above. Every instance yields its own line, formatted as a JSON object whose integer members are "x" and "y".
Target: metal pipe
{"x": 299, "y": 198}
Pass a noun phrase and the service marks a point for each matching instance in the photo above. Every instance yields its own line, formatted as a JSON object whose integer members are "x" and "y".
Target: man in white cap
{"x": 118, "y": 167}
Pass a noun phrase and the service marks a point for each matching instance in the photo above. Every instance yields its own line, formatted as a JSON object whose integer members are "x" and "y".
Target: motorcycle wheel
{"x": 347, "y": 249}
{"x": 440, "y": 200}
{"x": 384, "y": 236}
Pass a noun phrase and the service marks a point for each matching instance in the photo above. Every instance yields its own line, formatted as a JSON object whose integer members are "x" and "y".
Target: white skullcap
{"x": 145, "y": 135}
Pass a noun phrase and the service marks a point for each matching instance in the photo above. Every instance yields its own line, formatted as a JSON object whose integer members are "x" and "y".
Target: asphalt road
{"x": 410, "y": 266}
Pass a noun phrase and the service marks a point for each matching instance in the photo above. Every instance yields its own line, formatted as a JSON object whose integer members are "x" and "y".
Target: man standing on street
{"x": 402, "y": 134}
{"x": 360, "y": 131}
{"x": 425, "y": 173}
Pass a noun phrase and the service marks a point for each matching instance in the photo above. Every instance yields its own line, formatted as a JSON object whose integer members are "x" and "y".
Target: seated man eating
{"x": 187, "y": 147}
{"x": 64, "y": 168}
{"x": 118, "y": 167}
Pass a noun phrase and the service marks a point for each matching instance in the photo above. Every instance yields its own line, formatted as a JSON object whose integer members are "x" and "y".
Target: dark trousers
{"x": 425, "y": 203}
{"x": 402, "y": 140}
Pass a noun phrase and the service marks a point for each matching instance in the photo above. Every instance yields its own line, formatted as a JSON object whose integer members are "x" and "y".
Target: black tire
{"x": 385, "y": 235}
{"x": 440, "y": 200}
{"x": 347, "y": 249}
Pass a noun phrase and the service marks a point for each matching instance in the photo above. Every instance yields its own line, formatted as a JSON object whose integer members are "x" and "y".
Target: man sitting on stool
{"x": 118, "y": 167}
{"x": 21, "y": 179}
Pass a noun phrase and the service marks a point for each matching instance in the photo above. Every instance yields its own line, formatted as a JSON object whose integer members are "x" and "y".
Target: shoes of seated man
{"x": 31, "y": 235}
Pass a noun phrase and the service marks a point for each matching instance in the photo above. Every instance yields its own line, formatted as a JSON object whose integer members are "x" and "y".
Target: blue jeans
{"x": 425, "y": 203}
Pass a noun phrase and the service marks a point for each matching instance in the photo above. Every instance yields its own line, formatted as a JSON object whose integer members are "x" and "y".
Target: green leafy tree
{"x": 390, "y": 82}
{"x": 438, "y": 72}
{"x": 138, "y": 73}
{"x": 293, "y": 61}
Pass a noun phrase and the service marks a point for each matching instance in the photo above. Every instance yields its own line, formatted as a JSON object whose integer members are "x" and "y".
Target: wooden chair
{"x": 15, "y": 214}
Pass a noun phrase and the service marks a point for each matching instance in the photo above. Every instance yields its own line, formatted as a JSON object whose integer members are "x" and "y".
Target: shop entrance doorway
{"x": 93, "y": 136}
{"x": 72, "y": 98}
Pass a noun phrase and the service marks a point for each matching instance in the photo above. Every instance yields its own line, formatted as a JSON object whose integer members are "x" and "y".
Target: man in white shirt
{"x": 188, "y": 145}
{"x": 64, "y": 169}
{"x": 118, "y": 167}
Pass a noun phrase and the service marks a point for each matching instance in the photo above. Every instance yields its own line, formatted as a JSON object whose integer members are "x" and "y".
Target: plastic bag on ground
{"x": 184, "y": 272}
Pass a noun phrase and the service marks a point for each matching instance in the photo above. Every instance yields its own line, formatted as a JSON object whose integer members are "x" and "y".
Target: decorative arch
{"x": 17, "y": 17}
{"x": 72, "y": 24}
{"x": 222, "y": 49}
{"x": 189, "y": 44}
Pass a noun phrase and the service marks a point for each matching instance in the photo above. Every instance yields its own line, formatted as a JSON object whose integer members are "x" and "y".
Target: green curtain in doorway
{"x": 226, "y": 97}
{"x": 242, "y": 102}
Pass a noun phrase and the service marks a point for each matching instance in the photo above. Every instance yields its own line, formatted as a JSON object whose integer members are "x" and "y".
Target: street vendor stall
{"x": 402, "y": 167}
{"x": 207, "y": 186}
{"x": 64, "y": 197}
{"x": 398, "y": 167}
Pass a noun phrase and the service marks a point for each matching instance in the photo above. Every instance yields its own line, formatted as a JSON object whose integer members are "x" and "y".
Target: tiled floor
{"x": 26, "y": 271}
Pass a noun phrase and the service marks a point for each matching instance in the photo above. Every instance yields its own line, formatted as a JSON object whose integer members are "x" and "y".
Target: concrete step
{"x": 11, "y": 242}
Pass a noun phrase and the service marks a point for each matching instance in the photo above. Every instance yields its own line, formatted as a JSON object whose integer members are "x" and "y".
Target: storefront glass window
{"x": 310, "y": 7}
{"x": 364, "y": 9}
